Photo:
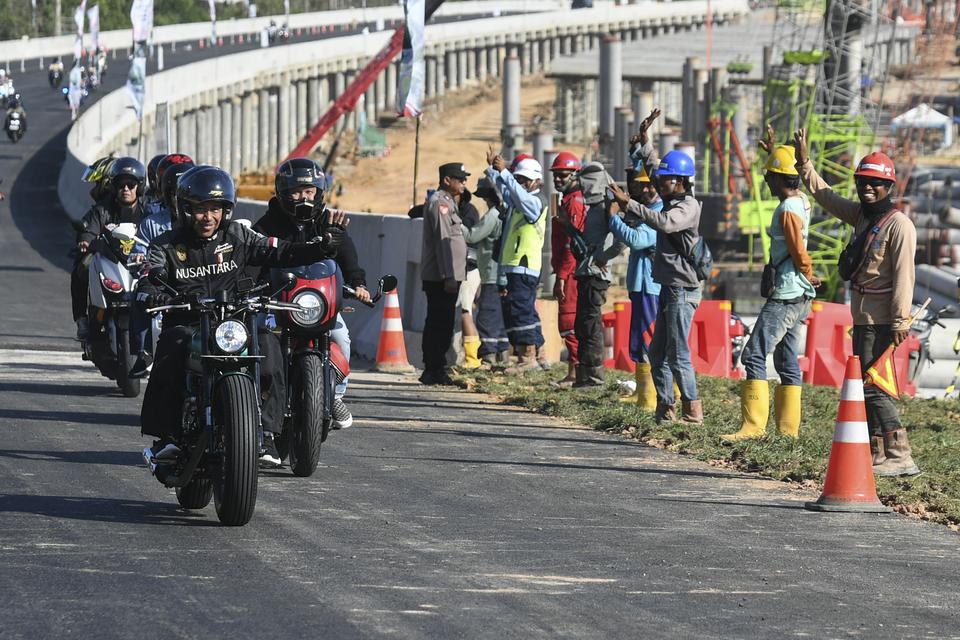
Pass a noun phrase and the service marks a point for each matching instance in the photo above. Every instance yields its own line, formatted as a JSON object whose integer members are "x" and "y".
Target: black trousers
{"x": 438, "y": 326}
{"x": 869, "y": 342}
{"x": 78, "y": 287}
{"x": 161, "y": 413}
{"x": 588, "y": 327}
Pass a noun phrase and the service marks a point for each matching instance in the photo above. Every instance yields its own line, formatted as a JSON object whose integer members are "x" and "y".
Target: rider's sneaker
{"x": 83, "y": 329}
{"x": 269, "y": 456}
{"x": 342, "y": 418}
{"x": 162, "y": 450}
{"x": 141, "y": 367}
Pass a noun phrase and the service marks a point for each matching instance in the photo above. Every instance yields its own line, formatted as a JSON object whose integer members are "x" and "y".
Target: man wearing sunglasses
{"x": 881, "y": 287}
{"x": 122, "y": 203}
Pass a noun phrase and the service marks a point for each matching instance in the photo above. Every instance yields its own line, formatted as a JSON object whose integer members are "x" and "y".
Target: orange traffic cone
{"x": 392, "y": 351}
{"x": 849, "y": 484}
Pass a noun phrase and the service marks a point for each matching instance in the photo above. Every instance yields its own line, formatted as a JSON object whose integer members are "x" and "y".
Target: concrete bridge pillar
{"x": 264, "y": 141}
{"x": 273, "y": 130}
{"x": 283, "y": 115}
{"x": 248, "y": 127}
{"x": 226, "y": 136}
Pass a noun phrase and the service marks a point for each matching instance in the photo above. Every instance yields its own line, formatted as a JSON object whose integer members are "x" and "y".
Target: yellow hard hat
{"x": 783, "y": 160}
{"x": 638, "y": 176}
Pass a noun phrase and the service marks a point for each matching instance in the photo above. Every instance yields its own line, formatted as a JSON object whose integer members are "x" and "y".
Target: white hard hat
{"x": 529, "y": 168}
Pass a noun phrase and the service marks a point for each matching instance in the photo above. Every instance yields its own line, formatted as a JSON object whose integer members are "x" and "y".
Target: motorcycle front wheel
{"x": 307, "y": 436}
{"x": 235, "y": 413}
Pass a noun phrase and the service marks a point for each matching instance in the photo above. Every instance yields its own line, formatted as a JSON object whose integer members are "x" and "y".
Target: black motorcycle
{"x": 220, "y": 437}
{"x": 14, "y": 125}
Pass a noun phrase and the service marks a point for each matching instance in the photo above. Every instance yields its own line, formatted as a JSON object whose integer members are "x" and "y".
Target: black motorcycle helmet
{"x": 294, "y": 174}
{"x": 128, "y": 167}
{"x": 168, "y": 186}
{"x": 152, "y": 181}
{"x": 168, "y": 161}
{"x": 204, "y": 184}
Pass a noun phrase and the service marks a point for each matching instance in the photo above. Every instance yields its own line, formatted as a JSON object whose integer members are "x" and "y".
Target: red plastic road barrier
{"x": 828, "y": 344}
{"x": 710, "y": 348}
{"x": 901, "y": 362}
{"x": 621, "y": 336}
{"x": 849, "y": 485}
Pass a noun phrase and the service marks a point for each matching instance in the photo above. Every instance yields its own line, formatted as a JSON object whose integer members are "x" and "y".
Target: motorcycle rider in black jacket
{"x": 122, "y": 202}
{"x": 205, "y": 253}
{"x": 295, "y": 214}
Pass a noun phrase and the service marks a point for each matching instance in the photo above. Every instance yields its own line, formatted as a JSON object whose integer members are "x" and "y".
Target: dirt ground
{"x": 469, "y": 121}
{"x": 459, "y": 132}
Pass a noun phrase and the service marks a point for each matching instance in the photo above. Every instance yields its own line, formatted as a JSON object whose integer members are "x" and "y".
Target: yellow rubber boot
{"x": 471, "y": 346}
{"x": 786, "y": 409}
{"x": 648, "y": 392}
{"x": 635, "y": 396}
{"x": 755, "y": 407}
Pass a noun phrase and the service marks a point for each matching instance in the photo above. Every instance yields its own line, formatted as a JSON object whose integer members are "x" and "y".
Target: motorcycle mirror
{"x": 388, "y": 283}
{"x": 157, "y": 277}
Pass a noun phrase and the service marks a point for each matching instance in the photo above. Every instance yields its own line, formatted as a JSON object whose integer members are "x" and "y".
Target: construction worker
{"x": 643, "y": 290}
{"x": 778, "y": 326}
{"x": 443, "y": 267}
{"x": 484, "y": 237}
{"x": 678, "y": 266}
{"x": 593, "y": 274}
{"x": 881, "y": 283}
{"x": 569, "y": 219}
{"x": 520, "y": 253}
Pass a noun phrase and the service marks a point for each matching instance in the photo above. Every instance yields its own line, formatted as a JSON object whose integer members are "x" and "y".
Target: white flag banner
{"x": 78, "y": 47}
{"x": 93, "y": 17}
{"x": 213, "y": 21}
{"x": 141, "y": 17}
{"x": 137, "y": 78}
{"x": 78, "y": 17}
{"x": 286, "y": 10}
{"x": 412, "y": 66}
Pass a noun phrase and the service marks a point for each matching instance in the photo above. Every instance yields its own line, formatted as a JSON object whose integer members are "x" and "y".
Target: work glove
{"x": 151, "y": 300}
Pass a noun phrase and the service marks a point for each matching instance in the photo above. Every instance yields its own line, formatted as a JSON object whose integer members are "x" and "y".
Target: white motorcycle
{"x": 111, "y": 287}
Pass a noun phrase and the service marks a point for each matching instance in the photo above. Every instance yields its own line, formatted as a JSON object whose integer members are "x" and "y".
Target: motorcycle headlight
{"x": 315, "y": 307}
{"x": 231, "y": 336}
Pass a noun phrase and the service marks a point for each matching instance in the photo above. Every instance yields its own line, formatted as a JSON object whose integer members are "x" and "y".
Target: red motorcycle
{"x": 315, "y": 364}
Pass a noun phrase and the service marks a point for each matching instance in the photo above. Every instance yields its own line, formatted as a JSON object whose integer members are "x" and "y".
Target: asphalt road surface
{"x": 440, "y": 514}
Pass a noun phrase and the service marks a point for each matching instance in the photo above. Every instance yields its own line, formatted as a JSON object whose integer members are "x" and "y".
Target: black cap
{"x": 454, "y": 170}
{"x": 486, "y": 189}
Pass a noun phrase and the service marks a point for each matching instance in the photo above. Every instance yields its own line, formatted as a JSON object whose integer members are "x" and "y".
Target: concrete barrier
{"x": 49, "y": 47}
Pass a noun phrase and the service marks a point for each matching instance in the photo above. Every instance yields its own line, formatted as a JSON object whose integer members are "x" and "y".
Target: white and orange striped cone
{"x": 392, "y": 350}
{"x": 849, "y": 484}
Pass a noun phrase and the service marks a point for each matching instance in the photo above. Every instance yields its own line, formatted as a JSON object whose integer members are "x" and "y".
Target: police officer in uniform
{"x": 205, "y": 253}
{"x": 443, "y": 267}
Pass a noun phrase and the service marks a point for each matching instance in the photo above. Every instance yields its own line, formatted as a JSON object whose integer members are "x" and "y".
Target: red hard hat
{"x": 877, "y": 165}
{"x": 520, "y": 158}
{"x": 565, "y": 161}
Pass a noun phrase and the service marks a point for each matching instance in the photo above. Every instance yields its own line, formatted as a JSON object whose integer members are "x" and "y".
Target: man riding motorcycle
{"x": 208, "y": 253}
{"x": 295, "y": 214}
{"x": 152, "y": 227}
{"x": 121, "y": 203}
{"x": 15, "y": 105}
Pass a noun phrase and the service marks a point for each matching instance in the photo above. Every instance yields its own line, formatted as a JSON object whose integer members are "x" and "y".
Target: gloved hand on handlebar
{"x": 151, "y": 300}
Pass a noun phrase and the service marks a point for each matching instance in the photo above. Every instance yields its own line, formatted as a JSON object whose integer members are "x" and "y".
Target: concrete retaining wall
{"x": 49, "y": 47}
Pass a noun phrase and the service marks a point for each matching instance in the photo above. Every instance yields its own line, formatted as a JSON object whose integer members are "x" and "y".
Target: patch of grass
{"x": 933, "y": 426}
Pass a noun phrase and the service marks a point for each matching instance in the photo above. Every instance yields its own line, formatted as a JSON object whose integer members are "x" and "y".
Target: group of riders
{"x": 186, "y": 230}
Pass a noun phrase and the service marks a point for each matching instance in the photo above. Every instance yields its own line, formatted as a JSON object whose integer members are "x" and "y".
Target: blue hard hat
{"x": 676, "y": 163}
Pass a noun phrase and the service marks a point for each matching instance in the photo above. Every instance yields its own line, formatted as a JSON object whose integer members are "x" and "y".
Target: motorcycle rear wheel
{"x": 235, "y": 411}
{"x": 196, "y": 495}
{"x": 307, "y": 422}
{"x": 130, "y": 387}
